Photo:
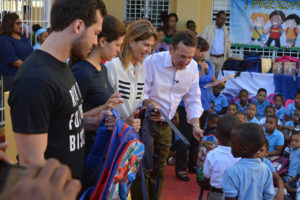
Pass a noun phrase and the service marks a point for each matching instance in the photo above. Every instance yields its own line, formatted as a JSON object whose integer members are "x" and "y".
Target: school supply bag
{"x": 206, "y": 144}
{"x": 281, "y": 165}
{"x": 118, "y": 155}
{"x": 252, "y": 62}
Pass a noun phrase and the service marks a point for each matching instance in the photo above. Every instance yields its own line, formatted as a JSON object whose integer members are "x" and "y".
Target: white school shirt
{"x": 216, "y": 162}
{"x": 128, "y": 84}
{"x": 167, "y": 86}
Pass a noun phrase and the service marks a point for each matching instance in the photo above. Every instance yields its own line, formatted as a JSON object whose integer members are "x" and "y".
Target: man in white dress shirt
{"x": 171, "y": 76}
{"x": 217, "y": 36}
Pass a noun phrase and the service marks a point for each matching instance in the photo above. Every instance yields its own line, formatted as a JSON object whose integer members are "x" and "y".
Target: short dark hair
{"x": 187, "y": 37}
{"x": 226, "y": 124}
{"x": 8, "y": 22}
{"x": 233, "y": 104}
{"x": 270, "y": 107}
{"x": 64, "y": 12}
{"x": 273, "y": 117}
{"x": 212, "y": 116}
{"x": 188, "y": 22}
{"x": 278, "y": 12}
{"x": 221, "y": 13}
{"x": 172, "y": 15}
{"x": 202, "y": 44}
{"x": 112, "y": 29}
{"x": 262, "y": 90}
{"x": 36, "y": 27}
{"x": 243, "y": 90}
{"x": 280, "y": 96}
{"x": 251, "y": 104}
{"x": 250, "y": 135}
{"x": 294, "y": 17}
{"x": 297, "y": 93}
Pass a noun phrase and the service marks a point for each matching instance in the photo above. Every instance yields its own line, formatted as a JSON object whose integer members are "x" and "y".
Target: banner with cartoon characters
{"x": 265, "y": 23}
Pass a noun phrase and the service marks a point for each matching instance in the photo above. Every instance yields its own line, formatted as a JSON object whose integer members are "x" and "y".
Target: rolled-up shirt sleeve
{"x": 192, "y": 100}
{"x": 148, "y": 81}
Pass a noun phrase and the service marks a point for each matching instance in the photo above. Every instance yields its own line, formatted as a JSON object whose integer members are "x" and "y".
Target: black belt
{"x": 217, "y": 56}
{"x": 218, "y": 190}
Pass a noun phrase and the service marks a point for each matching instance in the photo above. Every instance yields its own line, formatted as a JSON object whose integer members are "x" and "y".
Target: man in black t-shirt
{"x": 45, "y": 99}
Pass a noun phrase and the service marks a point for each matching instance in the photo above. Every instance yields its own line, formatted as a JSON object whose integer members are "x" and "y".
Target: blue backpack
{"x": 118, "y": 155}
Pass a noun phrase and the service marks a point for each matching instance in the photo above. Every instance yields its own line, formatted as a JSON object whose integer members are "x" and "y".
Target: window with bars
{"x": 146, "y": 9}
{"x": 238, "y": 51}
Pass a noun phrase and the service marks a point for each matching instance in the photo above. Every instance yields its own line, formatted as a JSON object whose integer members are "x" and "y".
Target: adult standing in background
{"x": 171, "y": 76}
{"x": 170, "y": 26}
{"x": 45, "y": 101}
{"x": 217, "y": 36}
{"x": 126, "y": 73}
{"x": 15, "y": 48}
{"x": 186, "y": 157}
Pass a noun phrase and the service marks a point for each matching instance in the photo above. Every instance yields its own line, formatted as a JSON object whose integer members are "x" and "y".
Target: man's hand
{"x": 91, "y": 123}
{"x": 155, "y": 116}
{"x": 110, "y": 122}
{"x": 197, "y": 133}
{"x": 3, "y": 156}
{"x": 132, "y": 121}
{"x": 149, "y": 102}
{"x": 52, "y": 181}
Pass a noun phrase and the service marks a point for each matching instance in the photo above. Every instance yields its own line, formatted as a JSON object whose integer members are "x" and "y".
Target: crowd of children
{"x": 258, "y": 156}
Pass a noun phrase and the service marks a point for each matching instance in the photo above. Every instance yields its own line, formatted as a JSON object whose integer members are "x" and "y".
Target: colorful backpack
{"x": 206, "y": 144}
{"x": 118, "y": 155}
{"x": 281, "y": 165}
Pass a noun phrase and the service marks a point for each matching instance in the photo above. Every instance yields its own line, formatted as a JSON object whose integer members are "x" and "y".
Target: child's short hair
{"x": 280, "y": 96}
{"x": 212, "y": 116}
{"x": 273, "y": 117}
{"x": 243, "y": 90}
{"x": 262, "y": 90}
{"x": 226, "y": 124}
{"x": 270, "y": 107}
{"x": 298, "y": 93}
{"x": 250, "y": 135}
{"x": 233, "y": 104}
{"x": 251, "y": 104}
{"x": 239, "y": 113}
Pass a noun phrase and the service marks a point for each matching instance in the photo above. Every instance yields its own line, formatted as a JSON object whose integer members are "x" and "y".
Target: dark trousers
{"x": 185, "y": 156}
{"x": 162, "y": 137}
{"x": 270, "y": 40}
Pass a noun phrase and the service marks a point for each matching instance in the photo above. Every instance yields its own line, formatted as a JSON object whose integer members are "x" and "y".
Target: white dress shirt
{"x": 218, "y": 46}
{"x": 167, "y": 86}
{"x": 216, "y": 162}
{"x": 129, "y": 83}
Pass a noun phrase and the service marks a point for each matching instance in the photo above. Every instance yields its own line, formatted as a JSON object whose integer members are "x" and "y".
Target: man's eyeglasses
{"x": 18, "y": 23}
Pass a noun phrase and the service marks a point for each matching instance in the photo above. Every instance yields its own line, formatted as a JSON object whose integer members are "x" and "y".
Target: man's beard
{"x": 79, "y": 49}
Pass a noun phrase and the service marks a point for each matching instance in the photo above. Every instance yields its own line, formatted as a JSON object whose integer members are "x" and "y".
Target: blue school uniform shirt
{"x": 220, "y": 102}
{"x": 205, "y": 92}
{"x": 12, "y": 50}
{"x": 276, "y": 138}
{"x": 254, "y": 120}
{"x": 248, "y": 179}
{"x": 261, "y": 107}
{"x": 280, "y": 113}
{"x": 36, "y": 46}
{"x": 291, "y": 124}
{"x": 269, "y": 164}
{"x": 294, "y": 162}
{"x": 240, "y": 107}
{"x": 290, "y": 110}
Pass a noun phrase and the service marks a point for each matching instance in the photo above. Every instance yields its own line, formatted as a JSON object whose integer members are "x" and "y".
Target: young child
{"x": 270, "y": 110}
{"x": 232, "y": 109}
{"x": 219, "y": 99}
{"x": 274, "y": 136}
{"x": 279, "y": 106}
{"x": 162, "y": 45}
{"x": 250, "y": 178}
{"x": 294, "y": 157}
{"x": 211, "y": 125}
{"x": 292, "y": 185}
{"x": 250, "y": 114}
{"x": 262, "y": 155}
{"x": 292, "y": 125}
{"x": 243, "y": 102}
{"x": 290, "y": 109}
{"x": 241, "y": 116}
{"x": 261, "y": 102}
{"x": 219, "y": 159}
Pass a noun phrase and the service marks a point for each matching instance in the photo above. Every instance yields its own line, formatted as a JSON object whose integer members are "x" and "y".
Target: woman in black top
{"x": 91, "y": 74}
